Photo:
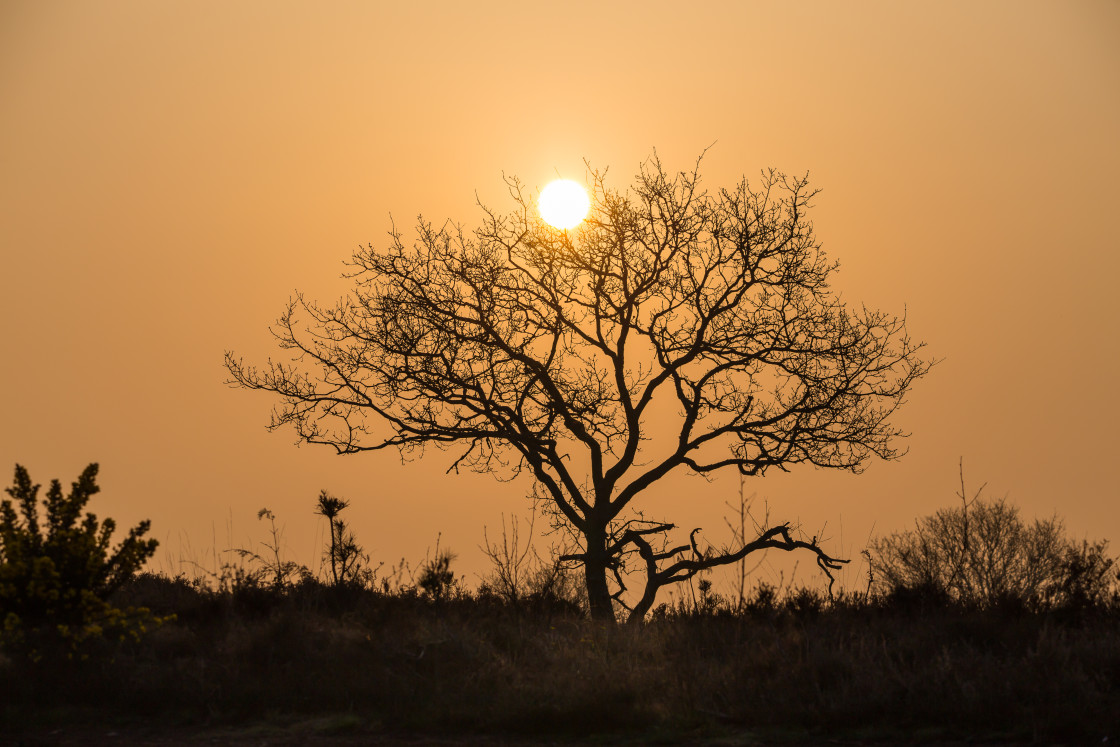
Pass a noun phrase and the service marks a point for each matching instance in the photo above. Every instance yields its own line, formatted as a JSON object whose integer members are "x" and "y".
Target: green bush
{"x": 56, "y": 576}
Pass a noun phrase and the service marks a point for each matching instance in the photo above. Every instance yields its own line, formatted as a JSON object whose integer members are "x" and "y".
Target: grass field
{"x": 362, "y": 666}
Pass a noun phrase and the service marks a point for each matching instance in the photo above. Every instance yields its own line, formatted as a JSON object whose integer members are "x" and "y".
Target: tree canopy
{"x": 706, "y": 316}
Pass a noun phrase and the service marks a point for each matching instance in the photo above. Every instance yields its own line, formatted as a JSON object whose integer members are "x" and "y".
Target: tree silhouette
{"x": 344, "y": 552}
{"x": 673, "y": 330}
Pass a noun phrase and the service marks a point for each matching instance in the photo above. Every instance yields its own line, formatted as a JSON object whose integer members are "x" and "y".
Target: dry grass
{"x": 469, "y": 665}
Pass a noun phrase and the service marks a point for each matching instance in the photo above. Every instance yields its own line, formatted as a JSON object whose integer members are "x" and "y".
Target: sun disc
{"x": 564, "y": 204}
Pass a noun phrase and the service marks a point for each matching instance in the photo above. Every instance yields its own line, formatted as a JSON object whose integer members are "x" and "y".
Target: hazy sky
{"x": 170, "y": 172}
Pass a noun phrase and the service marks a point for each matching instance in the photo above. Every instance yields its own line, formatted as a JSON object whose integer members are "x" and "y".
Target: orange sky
{"x": 170, "y": 172}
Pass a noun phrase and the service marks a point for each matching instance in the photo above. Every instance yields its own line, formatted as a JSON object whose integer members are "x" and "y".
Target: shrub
{"x": 55, "y": 579}
{"x": 348, "y": 559}
{"x": 521, "y": 578}
{"x": 1088, "y": 576}
{"x": 984, "y": 554}
{"x": 269, "y": 568}
{"x": 436, "y": 577}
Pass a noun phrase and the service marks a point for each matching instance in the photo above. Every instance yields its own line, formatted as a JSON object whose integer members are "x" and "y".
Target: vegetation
{"x": 794, "y": 666}
{"x": 56, "y": 576}
{"x": 348, "y": 560}
{"x": 411, "y": 654}
{"x": 982, "y": 554}
{"x": 268, "y": 566}
{"x": 525, "y": 348}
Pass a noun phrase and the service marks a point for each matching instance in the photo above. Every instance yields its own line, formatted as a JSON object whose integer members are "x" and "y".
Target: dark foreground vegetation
{"x": 975, "y": 625}
{"x": 796, "y": 668}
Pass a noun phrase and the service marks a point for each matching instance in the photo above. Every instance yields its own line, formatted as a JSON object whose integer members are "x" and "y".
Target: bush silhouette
{"x": 56, "y": 576}
{"x": 346, "y": 556}
{"x": 437, "y": 580}
{"x": 984, "y": 554}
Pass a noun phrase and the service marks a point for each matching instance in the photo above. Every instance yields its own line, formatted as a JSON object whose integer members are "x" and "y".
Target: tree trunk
{"x": 638, "y": 614}
{"x": 598, "y": 595}
{"x": 334, "y": 552}
{"x": 595, "y": 574}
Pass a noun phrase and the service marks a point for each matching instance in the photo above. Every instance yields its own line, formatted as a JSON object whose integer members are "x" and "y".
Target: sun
{"x": 563, "y": 204}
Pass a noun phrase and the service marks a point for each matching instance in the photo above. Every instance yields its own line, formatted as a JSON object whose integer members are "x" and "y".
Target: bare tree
{"x": 705, "y": 319}
{"x": 983, "y": 553}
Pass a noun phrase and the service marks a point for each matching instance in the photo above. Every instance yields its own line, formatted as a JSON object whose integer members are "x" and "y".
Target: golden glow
{"x": 564, "y": 204}
{"x": 298, "y": 139}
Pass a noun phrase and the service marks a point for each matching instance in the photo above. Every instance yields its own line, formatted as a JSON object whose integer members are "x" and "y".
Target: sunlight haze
{"x": 172, "y": 173}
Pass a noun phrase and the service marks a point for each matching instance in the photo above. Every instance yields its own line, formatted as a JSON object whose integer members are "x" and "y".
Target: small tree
{"x": 982, "y": 553}
{"x": 706, "y": 318}
{"x": 437, "y": 580}
{"x": 60, "y": 574}
{"x": 346, "y": 556}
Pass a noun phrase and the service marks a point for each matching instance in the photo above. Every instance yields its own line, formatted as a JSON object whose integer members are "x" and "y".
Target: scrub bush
{"x": 983, "y": 554}
{"x": 56, "y": 576}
